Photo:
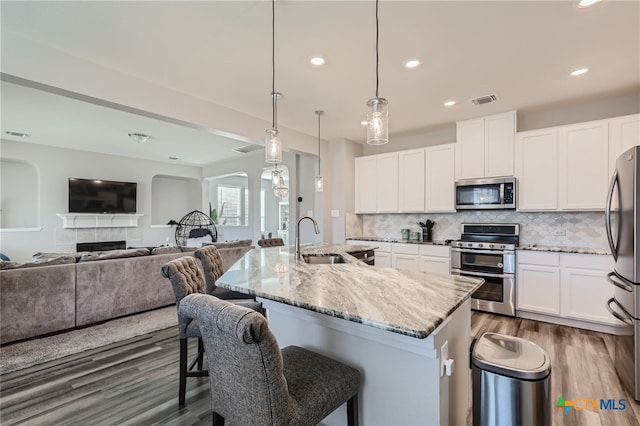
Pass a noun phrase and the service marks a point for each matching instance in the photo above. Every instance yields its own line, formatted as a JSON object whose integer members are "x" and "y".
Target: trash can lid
{"x": 510, "y": 356}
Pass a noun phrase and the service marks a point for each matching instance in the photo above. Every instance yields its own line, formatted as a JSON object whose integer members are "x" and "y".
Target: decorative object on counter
{"x": 405, "y": 234}
{"x": 415, "y": 236}
{"x": 426, "y": 230}
{"x": 377, "y": 114}
{"x": 319, "y": 183}
{"x": 273, "y": 142}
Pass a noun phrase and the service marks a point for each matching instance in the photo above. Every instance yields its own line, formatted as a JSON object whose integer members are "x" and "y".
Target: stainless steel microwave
{"x": 485, "y": 194}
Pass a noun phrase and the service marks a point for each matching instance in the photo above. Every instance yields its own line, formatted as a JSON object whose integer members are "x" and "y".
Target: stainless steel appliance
{"x": 488, "y": 251}
{"x": 623, "y": 233}
{"x": 483, "y": 194}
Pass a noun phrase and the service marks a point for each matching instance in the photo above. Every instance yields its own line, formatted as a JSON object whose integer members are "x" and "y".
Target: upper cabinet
{"x": 377, "y": 183}
{"x": 624, "y": 133}
{"x": 411, "y": 193}
{"x": 440, "y": 179}
{"x": 537, "y": 170}
{"x": 485, "y": 146}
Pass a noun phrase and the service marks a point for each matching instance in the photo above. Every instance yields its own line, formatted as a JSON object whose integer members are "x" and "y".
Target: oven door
{"x": 495, "y": 262}
{"x": 496, "y": 295}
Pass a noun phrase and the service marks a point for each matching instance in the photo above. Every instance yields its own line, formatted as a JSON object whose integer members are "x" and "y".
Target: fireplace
{"x": 101, "y": 246}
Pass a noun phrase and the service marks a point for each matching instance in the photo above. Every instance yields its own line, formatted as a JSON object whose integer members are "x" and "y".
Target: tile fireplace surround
{"x": 66, "y": 239}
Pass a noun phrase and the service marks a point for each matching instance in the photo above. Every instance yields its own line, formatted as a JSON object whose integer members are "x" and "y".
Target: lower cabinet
{"x": 565, "y": 286}
{"x": 382, "y": 253}
{"x": 435, "y": 259}
{"x": 405, "y": 256}
{"x": 410, "y": 256}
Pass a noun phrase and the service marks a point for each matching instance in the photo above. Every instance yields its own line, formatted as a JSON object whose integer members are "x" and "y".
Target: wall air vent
{"x": 484, "y": 99}
{"x": 247, "y": 149}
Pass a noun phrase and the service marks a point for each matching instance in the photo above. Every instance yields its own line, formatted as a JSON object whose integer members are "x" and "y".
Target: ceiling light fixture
{"x": 281, "y": 190}
{"x": 378, "y": 114}
{"x": 364, "y": 122}
{"x": 17, "y": 134}
{"x": 273, "y": 143}
{"x": 586, "y": 3}
{"x": 317, "y": 61}
{"x": 449, "y": 103}
{"x": 579, "y": 71}
{"x": 139, "y": 137}
{"x": 411, "y": 63}
{"x": 319, "y": 183}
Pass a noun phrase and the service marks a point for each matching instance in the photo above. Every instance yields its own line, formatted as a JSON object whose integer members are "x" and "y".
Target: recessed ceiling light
{"x": 317, "y": 61}
{"x": 411, "y": 63}
{"x": 139, "y": 137}
{"x": 449, "y": 103}
{"x": 579, "y": 71}
{"x": 586, "y": 3}
{"x": 364, "y": 122}
{"x": 173, "y": 158}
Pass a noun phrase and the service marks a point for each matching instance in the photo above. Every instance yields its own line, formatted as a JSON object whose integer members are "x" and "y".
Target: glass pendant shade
{"x": 319, "y": 184}
{"x": 377, "y": 121}
{"x": 273, "y": 146}
{"x": 275, "y": 178}
{"x": 281, "y": 190}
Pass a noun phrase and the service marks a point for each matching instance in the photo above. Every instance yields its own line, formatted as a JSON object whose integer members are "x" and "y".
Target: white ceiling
{"x": 522, "y": 51}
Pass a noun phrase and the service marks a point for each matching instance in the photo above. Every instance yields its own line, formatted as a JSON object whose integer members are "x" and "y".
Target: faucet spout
{"x": 315, "y": 225}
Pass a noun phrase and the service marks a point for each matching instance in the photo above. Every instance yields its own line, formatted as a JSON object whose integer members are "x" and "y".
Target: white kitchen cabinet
{"x": 411, "y": 188}
{"x": 434, "y": 259}
{"x": 376, "y": 183}
{"x": 537, "y": 170}
{"x": 585, "y": 289}
{"x": 538, "y": 282}
{"x": 485, "y": 146}
{"x": 440, "y": 178}
{"x": 584, "y": 166}
{"x": 383, "y": 260}
{"x": 624, "y": 133}
{"x": 405, "y": 256}
{"x": 382, "y": 253}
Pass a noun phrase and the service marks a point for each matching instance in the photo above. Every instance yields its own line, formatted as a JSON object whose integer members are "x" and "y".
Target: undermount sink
{"x": 323, "y": 259}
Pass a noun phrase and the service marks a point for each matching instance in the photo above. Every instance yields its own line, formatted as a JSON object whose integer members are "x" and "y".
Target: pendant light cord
{"x": 274, "y": 97}
{"x": 319, "y": 172}
{"x": 376, "y": 48}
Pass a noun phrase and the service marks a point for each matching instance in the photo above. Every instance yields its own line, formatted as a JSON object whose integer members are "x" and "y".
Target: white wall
{"x": 19, "y": 193}
{"x": 174, "y": 197}
{"x": 54, "y": 167}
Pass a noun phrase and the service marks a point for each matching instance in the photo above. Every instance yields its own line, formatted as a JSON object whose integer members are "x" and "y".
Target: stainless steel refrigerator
{"x": 621, "y": 217}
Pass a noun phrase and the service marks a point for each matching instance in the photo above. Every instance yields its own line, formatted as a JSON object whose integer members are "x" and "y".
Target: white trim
{"x": 586, "y": 325}
{"x": 21, "y": 229}
{"x": 106, "y": 220}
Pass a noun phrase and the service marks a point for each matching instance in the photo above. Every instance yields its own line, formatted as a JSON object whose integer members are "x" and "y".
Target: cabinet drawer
{"x": 587, "y": 261}
{"x": 383, "y": 247}
{"x": 401, "y": 248}
{"x": 538, "y": 258}
{"x": 432, "y": 250}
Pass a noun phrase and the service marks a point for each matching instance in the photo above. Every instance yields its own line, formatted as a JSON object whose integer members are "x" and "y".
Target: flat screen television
{"x": 101, "y": 196}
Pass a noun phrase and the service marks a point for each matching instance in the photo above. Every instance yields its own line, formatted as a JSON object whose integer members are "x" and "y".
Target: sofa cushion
{"x": 51, "y": 255}
{"x": 113, "y": 254}
{"x": 61, "y": 260}
{"x": 230, "y": 244}
{"x": 166, "y": 250}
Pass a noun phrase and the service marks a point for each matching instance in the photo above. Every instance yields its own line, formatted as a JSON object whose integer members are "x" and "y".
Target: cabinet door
{"x": 440, "y": 179}
{"x": 584, "y": 295}
{"x": 436, "y": 265}
{"x": 499, "y": 135}
{"x": 537, "y": 170}
{"x": 470, "y": 149}
{"x": 584, "y": 166}
{"x": 538, "y": 289}
{"x": 386, "y": 182}
{"x": 365, "y": 184}
{"x": 383, "y": 259}
{"x": 408, "y": 262}
{"x": 624, "y": 133}
{"x": 411, "y": 186}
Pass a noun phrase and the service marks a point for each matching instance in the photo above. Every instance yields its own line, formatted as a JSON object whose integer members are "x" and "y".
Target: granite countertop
{"x": 405, "y": 302}
{"x": 398, "y": 240}
{"x": 565, "y": 249}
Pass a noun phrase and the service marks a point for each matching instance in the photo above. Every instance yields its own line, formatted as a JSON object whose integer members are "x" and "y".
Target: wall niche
{"x": 172, "y": 197}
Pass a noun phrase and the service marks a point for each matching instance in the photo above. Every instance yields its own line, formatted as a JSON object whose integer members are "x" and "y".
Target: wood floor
{"x": 135, "y": 382}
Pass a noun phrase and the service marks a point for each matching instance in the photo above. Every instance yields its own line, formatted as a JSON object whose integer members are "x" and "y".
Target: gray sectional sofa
{"x": 60, "y": 292}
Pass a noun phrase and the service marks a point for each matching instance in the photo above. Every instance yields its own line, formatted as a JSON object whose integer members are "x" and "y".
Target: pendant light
{"x": 273, "y": 143}
{"x": 281, "y": 190}
{"x": 319, "y": 183}
{"x": 377, "y": 114}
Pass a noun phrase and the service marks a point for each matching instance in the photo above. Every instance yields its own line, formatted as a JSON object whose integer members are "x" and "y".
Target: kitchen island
{"x": 407, "y": 332}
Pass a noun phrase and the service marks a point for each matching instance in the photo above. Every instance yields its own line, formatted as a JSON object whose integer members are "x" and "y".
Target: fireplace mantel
{"x": 103, "y": 220}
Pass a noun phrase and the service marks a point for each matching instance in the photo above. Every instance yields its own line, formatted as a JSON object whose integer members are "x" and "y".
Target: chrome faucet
{"x": 315, "y": 225}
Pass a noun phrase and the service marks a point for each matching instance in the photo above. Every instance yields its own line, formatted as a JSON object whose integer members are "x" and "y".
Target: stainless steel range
{"x": 488, "y": 251}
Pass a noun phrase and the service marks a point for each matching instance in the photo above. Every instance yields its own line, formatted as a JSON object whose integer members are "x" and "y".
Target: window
{"x": 229, "y": 199}
{"x": 230, "y": 202}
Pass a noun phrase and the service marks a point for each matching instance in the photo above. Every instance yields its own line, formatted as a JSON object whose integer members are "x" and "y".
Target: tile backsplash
{"x": 580, "y": 229}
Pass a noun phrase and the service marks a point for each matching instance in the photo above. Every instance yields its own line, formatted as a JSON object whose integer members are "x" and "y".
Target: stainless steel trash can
{"x": 511, "y": 381}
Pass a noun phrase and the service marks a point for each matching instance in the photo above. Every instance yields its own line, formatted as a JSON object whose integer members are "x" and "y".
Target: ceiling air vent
{"x": 484, "y": 99}
{"x": 247, "y": 149}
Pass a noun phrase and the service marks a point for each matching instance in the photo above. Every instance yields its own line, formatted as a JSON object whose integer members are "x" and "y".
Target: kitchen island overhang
{"x": 397, "y": 327}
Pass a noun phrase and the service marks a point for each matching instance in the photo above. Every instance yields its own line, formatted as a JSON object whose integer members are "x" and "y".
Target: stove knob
{"x": 490, "y": 246}
{"x": 480, "y": 245}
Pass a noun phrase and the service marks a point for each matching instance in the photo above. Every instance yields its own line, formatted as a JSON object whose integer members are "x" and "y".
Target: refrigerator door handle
{"x": 619, "y": 282}
{"x": 627, "y": 319}
{"x": 607, "y": 215}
